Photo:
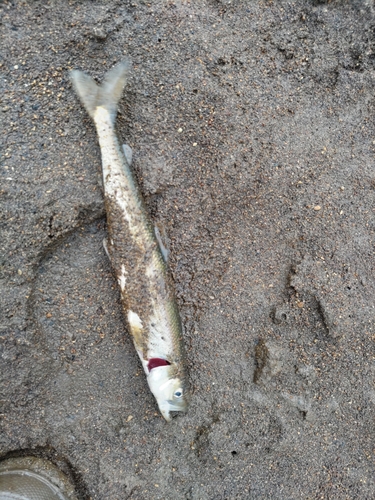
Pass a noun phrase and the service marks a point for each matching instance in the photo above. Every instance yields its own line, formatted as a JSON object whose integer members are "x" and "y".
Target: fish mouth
{"x": 176, "y": 407}
{"x": 167, "y": 406}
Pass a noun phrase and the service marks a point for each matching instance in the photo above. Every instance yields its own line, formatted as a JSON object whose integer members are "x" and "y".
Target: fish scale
{"x": 136, "y": 257}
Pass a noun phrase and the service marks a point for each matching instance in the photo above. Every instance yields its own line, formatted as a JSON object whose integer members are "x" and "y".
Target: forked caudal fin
{"x": 107, "y": 94}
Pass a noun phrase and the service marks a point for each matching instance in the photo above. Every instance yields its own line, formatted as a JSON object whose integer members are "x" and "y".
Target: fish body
{"x": 134, "y": 251}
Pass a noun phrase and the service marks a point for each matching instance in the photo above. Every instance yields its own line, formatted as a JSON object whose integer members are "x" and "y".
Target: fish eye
{"x": 178, "y": 393}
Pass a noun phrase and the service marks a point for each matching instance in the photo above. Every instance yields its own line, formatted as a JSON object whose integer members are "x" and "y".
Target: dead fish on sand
{"x": 135, "y": 253}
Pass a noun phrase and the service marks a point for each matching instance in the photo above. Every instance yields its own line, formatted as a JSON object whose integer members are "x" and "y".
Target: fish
{"x": 136, "y": 255}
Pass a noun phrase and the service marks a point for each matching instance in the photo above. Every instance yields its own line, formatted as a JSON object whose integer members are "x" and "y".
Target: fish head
{"x": 169, "y": 388}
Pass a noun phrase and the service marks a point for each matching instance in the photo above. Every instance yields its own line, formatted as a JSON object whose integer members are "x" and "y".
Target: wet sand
{"x": 252, "y": 128}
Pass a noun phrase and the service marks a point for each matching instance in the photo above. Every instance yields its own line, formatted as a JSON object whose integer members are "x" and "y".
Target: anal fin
{"x": 163, "y": 248}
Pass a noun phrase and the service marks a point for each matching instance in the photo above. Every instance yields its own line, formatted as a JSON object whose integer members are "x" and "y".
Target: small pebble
{"x": 317, "y": 207}
{"x": 179, "y": 130}
{"x": 99, "y": 33}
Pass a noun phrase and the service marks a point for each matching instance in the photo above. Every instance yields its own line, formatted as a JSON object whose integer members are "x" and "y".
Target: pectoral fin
{"x": 105, "y": 246}
{"x": 128, "y": 152}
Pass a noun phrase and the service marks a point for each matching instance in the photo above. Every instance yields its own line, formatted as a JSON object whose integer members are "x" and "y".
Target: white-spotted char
{"x": 136, "y": 257}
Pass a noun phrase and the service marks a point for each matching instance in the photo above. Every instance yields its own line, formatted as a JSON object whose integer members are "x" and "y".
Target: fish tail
{"x": 105, "y": 95}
